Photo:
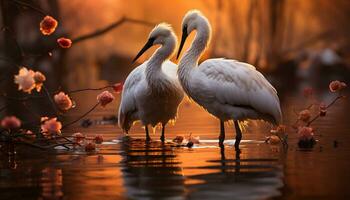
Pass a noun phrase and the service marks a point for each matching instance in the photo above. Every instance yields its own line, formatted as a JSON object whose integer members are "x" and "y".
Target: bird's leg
{"x": 162, "y": 138}
{"x": 222, "y": 133}
{"x": 238, "y": 135}
{"x": 148, "y": 138}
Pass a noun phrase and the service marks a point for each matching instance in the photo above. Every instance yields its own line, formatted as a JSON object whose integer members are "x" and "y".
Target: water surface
{"x": 134, "y": 169}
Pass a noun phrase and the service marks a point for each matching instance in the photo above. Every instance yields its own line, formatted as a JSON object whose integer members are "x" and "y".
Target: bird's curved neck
{"x": 192, "y": 55}
{"x": 154, "y": 72}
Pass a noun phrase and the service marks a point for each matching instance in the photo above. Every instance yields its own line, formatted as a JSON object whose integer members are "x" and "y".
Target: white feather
{"x": 152, "y": 92}
{"x": 228, "y": 89}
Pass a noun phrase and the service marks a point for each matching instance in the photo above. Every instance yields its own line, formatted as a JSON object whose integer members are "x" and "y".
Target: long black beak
{"x": 183, "y": 40}
{"x": 148, "y": 45}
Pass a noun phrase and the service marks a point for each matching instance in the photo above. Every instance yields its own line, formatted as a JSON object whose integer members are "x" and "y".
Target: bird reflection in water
{"x": 151, "y": 170}
{"x": 242, "y": 178}
{"x": 51, "y": 183}
{"x": 223, "y": 160}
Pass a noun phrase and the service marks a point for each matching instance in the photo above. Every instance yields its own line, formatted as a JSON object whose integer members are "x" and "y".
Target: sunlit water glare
{"x": 134, "y": 169}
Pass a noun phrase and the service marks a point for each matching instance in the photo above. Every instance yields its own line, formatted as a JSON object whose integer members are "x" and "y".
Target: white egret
{"x": 227, "y": 89}
{"x": 152, "y": 92}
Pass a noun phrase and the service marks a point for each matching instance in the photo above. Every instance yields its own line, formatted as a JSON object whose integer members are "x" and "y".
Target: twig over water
{"x": 329, "y": 105}
{"x": 79, "y": 118}
{"x": 111, "y": 27}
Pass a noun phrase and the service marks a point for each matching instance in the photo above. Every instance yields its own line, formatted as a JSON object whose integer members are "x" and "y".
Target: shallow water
{"x": 133, "y": 169}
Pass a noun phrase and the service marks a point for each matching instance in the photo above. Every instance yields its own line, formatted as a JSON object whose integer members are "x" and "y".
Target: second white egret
{"x": 228, "y": 89}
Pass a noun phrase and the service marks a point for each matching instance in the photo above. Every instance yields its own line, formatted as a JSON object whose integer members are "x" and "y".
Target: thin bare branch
{"x": 110, "y": 27}
{"x": 51, "y": 100}
{"x": 329, "y": 105}
{"x": 79, "y": 118}
{"x": 27, "y": 5}
{"x": 89, "y": 89}
{"x": 47, "y": 146}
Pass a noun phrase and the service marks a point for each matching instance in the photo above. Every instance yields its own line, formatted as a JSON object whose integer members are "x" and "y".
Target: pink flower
{"x": 11, "y": 122}
{"x": 48, "y": 25}
{"x": 105, "y": 98}
{"x": 305, "y": 133}
{"x": 90, "y": 147}
{"x": 304, "y": 115}
{"x": 39, "y": 79}
{"x": 118, "y": 87}
{"x": 323, "y": 109}
{"x": 25, "y": 80}
{"x": 308, "y": 91}
{"x": 64, "y": 42}
{"x": 78, "y": 137}
{"x": 63, "y": 101}
{"x": 280, "y": 129}
{"x": 51, "y": 127}
{"x": 335, "y": 86}
{"x": 98, "y": 139}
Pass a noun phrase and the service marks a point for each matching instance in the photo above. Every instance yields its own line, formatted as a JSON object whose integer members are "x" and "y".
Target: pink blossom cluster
{"x": 28, "y": 80}
{"x": 51, "y": 127}
{"x": 88, "y": 142}
{"x": 305, "y": 117}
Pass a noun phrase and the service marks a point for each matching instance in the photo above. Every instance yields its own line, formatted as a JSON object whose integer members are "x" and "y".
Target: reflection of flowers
{"x": 50, "y": 127}
{"x": 48, "y": 25}
{"x": 305, "y": 133}
{"x": 25, "y": 80}
{"x": 98, "y": 139}
{"x": 63, "y": 101}
{"x": 335, "y": 86}
{"x": 64, "y": 42}
{"x": 90, "y": 146}
{"x": 105, "y": 98}
{"x": 11, "y": 122}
